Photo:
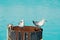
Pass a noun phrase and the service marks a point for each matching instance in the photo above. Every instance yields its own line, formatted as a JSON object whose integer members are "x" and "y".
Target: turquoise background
{"x": 12, "y": 11}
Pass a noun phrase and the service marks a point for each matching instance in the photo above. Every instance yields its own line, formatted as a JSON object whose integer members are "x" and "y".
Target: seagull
{"x": 39, "y": 23}
{"x": 21, "y": 24}
{"x": 10, "y": 25}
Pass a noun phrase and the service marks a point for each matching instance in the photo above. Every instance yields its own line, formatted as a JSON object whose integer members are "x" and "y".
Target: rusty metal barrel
{"x": 24, "y": 33}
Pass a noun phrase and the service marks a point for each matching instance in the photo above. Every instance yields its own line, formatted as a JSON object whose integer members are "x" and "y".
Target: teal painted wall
{"x": 12, "y": 11}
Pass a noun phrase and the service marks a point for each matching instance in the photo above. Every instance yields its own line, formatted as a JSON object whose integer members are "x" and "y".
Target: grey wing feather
{"x": 35, "y": 23}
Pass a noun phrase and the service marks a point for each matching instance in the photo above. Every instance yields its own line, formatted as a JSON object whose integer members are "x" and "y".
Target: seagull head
{"x": 9, "y": 25}
{"x": 44, "y": 20}
{"x": 22, "y": 20}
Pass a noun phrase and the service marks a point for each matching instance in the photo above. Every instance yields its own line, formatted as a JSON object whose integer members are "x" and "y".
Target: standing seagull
{"x": 21, "y": 24}
{"x": 39, "y": 23}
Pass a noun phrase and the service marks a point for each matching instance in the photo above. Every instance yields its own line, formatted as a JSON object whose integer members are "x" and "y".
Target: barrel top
{"x": 26, "y": 28}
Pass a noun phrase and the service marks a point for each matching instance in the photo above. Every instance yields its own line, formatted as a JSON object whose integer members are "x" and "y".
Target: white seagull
{"x": 39, "y": 23}
{"x": 21, "y": 24}
{"x": 10, "y": 26}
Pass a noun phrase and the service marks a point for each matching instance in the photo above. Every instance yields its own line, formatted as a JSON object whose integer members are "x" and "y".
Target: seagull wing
{"x": 35, "y": 23}
{"x": 41, "y": 23}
